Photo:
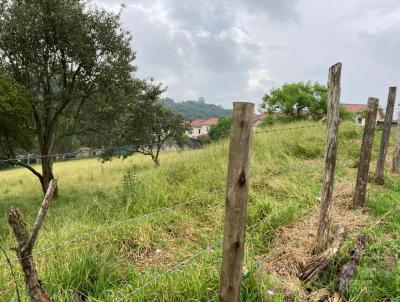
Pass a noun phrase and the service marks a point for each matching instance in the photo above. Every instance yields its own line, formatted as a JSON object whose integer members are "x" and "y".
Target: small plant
{"x": 131, "y": 186}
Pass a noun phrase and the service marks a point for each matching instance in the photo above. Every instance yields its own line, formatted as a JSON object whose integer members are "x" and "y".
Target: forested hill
{"x": 192, "y": 110}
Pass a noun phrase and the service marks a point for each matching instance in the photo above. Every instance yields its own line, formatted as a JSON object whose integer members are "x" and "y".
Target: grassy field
{"x": 174, "y": 255}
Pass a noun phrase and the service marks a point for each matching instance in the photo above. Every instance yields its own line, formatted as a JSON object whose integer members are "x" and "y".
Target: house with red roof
{"x": 200, "y": 127}
{"x": 258, "y": 118}
{"x": 358, "y": 110}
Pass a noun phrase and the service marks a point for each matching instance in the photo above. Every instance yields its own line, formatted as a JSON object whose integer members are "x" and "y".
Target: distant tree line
{"x": 191, "y": 110}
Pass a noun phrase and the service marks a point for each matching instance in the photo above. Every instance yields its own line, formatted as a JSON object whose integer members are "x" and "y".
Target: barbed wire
{"x": 101, "y": 229}
{"x": 290, "y": 128}
{"x": 210, "y": 248}
{"x": 175, "y": 268}
{"x": 130, "y": 147}
{"x": 76, "y": 152}
{"x": 114, "y": 225}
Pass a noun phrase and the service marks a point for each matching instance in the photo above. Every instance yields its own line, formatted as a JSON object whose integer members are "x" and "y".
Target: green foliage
{"x": 344, "y": 114}
{"x": 150, "y": 124}
{"x": 110, "y": 117}
{"x": 14, "y": 114}
{"x": 68, "y": 55}
{"x": 145, "y": 125}
{"x": 221, "y": 129}
{"x": 293, "y": 99}
{"x": 191, "y": 110}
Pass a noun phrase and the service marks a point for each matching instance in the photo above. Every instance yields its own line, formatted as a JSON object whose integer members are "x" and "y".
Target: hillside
{"x": 98, "y": 242}
{"x": 192, "y": 110}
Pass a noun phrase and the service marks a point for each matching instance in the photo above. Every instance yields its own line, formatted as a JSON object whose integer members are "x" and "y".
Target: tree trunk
{"x": 380, "y": 166}
{"x": 155, "y": 157}
{"x": 46, "y": 139}
{"x": 36, "y": 173}
{"x": 47, "y": 172}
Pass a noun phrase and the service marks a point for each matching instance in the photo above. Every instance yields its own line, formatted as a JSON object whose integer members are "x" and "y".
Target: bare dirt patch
{"x": 291, "y": 249}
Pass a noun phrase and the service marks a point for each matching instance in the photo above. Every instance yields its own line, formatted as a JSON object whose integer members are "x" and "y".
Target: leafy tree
{"x": 220, "y": 130}
{"x": 66, "y": 54}
{"x": 14, "y": 114}
{"x": 294, "y": 98}
{"x": 147, "y": 126}
{"x": 150, "y": 125}
{"x": 199, "y": 109}
{"x": 107, "y": 116}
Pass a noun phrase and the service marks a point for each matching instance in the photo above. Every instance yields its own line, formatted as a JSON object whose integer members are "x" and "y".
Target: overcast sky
{"x": 227, "y": 50}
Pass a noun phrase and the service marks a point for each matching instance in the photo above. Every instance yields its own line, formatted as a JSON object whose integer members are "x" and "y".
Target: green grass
{"x": 107, "y": 264}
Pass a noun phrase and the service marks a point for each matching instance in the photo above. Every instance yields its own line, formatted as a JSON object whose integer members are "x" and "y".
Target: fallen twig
{"x": 349, "y": 268}
{"x": 318, "y": 263}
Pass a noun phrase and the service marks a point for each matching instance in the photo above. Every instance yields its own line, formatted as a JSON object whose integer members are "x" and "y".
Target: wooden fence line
{"x": 237, "y": 187}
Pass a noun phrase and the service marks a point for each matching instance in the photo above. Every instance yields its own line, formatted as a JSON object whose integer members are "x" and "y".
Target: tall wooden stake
{"x": 324, "y": 222}
{"x": 365, "y": 156}
{"x": 396, "y": 154}
{"x": 236, "y": 201}
{"x": 378, "y": 177}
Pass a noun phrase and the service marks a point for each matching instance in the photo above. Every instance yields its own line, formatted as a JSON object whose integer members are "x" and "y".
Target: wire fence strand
{"x": 210, "y": 248}
{"x": 12, "y": 161}
{"x": 159, "y": 211}
{"x": 111, "y": 226}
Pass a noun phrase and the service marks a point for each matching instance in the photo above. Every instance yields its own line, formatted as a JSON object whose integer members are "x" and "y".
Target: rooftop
{"x": 355, "y": 108}
{"x": 205, "y": 122}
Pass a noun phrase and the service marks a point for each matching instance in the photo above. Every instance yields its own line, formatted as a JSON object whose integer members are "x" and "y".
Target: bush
{"x": 222, "y": 129}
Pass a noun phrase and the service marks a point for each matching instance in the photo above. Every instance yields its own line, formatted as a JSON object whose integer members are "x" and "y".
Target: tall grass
{"x": 285, "y": 180}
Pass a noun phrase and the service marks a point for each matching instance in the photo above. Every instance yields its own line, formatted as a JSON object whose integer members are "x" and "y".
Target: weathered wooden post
{"x": 236, "y": 201}
{"x": 378, "y": 177}
{"x": 324, "y": 222}
{"x": 396, "y": 154}
{"x": 366, "y": 150}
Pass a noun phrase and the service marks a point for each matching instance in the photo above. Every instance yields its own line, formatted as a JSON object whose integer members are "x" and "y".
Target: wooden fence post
{"x": 236, "y": 201}
{"x": 378, "y": 177}
{"x": 322, "y": 239}
{"x": 396, "y": 154}
{"x": 366, "y": 150}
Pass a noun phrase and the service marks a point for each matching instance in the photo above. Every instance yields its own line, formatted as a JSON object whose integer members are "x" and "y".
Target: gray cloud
{"x": 281, "y": 11}
{"x": 238, "y": 49}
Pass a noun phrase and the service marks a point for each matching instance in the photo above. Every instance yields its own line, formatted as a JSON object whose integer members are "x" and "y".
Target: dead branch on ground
{"x": 26, "y": 242}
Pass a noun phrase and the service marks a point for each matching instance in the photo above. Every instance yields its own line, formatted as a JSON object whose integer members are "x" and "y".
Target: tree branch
{"x": 48, "y": 198}
{"x": 30, "y": 168}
